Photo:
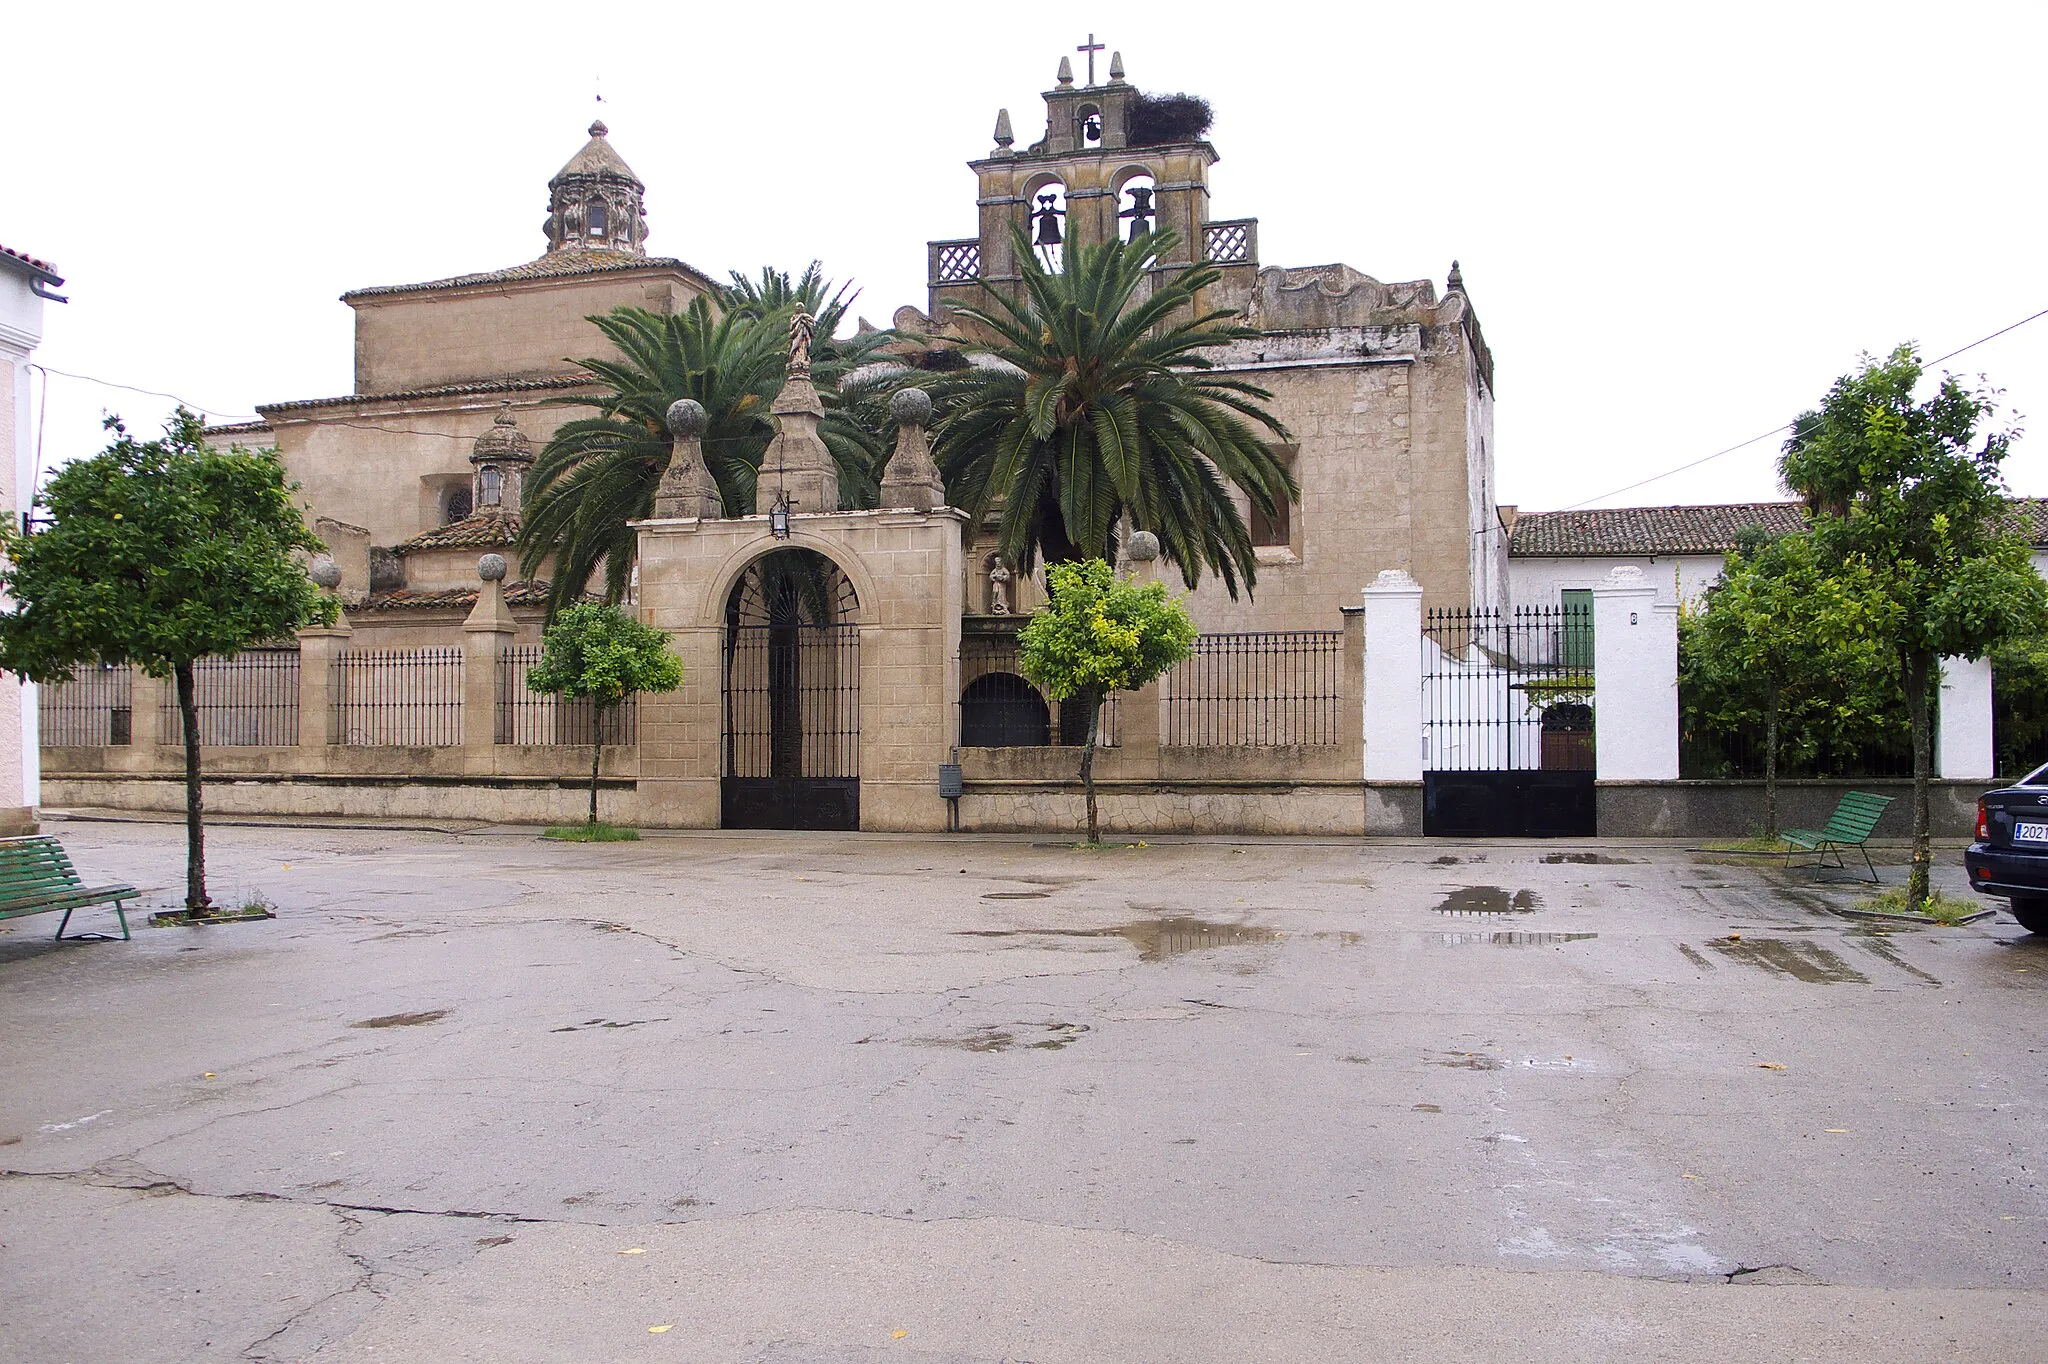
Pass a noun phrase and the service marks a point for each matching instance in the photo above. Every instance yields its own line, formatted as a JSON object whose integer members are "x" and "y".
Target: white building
{"x": 25, "y": 283}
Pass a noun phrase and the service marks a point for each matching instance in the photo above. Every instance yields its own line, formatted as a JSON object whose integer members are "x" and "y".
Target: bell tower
{"x": 596, "y": 203}
{"x": 1113, "y": 162}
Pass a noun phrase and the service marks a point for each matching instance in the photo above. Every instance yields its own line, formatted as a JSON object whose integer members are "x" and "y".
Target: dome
{"x": 504, "y": 443}
{"x": 595, "y": 202}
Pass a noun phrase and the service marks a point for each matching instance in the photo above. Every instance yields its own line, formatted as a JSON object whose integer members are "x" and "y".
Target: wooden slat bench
{"x": 1848, "y": 827}
{"x": 36, "y": 877}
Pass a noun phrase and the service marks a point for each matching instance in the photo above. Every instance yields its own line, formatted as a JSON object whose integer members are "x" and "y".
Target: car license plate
{"x": 2030, "y": 833}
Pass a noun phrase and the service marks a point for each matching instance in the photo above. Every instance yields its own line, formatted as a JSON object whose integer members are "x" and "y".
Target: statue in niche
{"x": 1046, "y": 219}
{"x": 800, "y": 329}
{"x": 998, "y": 588}
{"x": 1140, "y": 212}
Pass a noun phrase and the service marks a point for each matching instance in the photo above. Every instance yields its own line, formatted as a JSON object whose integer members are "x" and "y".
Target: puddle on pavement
{"x": 1514, "y": 938}
{"x": 1692, "y": 954}
{"x": 1037, "y": 1037}
{"x": 1805, "y": 961}
{"x": 1480, "y": 900}
{"x": 1427, "y": 1108}
{"x": 1590, "y": 860}
{"x": 1155, "y": 939}
{"x": 403, "y": 1020}
{"x": 1469, "y": 1060}
{"x": 1875, "y": 944}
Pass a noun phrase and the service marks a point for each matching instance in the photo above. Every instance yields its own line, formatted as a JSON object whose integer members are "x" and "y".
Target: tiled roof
{"x": 1610, "y": 531}
{"x": 473, "y": 388}
{"x": 235, "y": 429}
{"x": 1649, "y": 530}
{"x": 457, "y": 598}
{"x": 554, "y": 265}
{"x": 483, "y": 530}
{"x": 10, "y": 256}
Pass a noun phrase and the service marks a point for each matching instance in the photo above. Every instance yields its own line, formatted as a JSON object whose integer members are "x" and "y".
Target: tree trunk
{"x": 1088, "y": 766}
{"x": 1771, "y": 767}
{"x": 1920, "y": 671}
{"x": 596, "y": 753}
{"x": 195, "y": 831}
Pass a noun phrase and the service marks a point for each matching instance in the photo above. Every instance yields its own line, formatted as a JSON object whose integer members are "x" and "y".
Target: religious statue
{"x": 998, "y": 589}
{"x": 1047, "y": 220}
{"x": 800, "y": 328}
{"x": 1140, "y": 211}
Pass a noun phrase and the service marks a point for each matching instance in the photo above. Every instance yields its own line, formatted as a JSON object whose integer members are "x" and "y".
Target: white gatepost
{"x": 1635, "y": 680}
{"x": 1393, "y": 678}
{"x": 1963, "y": 749}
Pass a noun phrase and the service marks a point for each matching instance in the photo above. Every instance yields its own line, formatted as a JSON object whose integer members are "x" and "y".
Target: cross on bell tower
{"x": 1091, "y": 47}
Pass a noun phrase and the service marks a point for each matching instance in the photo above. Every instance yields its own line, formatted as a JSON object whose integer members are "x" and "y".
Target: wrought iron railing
{"x": 250, "y": 700}
{"x": 999, "y": 708}
{"x": 405, "y": 698}
{"x": 792, "y": 701}
{"x": 525, "y": 716}
{"x": 1270, "y": 689}
{"x": 1508, "y": 691}
{"x": 92, "y": 710}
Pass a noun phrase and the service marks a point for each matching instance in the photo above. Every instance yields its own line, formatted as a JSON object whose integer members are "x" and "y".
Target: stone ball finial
{"x": 325, "y": 573}
{"x": 687, "y": 418}
{"x": 597, "y": 128}
{"x": 491, "y": 568}
{"x": 911, "y": 407}
{"x": 1144, "y": 547}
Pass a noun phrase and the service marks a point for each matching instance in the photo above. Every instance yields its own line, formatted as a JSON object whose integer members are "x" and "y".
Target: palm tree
{"x": 1096, "y": 402}
{"x": 599, "y": 473}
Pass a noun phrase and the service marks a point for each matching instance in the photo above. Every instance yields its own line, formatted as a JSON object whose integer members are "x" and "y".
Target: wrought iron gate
{"x": 792, "y": 727}
{"x": 1508, "y": 723}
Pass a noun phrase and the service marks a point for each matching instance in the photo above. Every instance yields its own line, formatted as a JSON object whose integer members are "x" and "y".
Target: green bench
{"x": 36, "y": 878}
{"x": 1848, "y": 827}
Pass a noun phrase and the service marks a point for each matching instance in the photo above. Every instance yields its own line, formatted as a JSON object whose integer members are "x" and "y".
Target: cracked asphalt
{"x": 813, "y": 1099}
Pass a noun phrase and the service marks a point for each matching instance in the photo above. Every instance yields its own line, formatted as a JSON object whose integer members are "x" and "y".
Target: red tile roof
{"x": 8, "y": 255}
{"x": 464, "y": 390}
{"x": 1712, "y": 529}
{"x": 554, "y": 265}
{"x": 481, "y": 530}
{"x": 456, "y": 598}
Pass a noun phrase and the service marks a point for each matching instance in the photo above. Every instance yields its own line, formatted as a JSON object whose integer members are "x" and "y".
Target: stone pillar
{"x": 146, "y": 727}
{"x": 1391, "y": 725}
{"x": 1138, "y": 745}
{"x": 319, "y": 646}
{"x": 1351, "y": 687}
{"x": 484, "y": 634}
{"x": 1635, "y": 680}
{"x": 1963, "y": 748}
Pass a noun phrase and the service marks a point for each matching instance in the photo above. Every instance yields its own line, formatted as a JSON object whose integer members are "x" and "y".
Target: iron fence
{"x": 249, "y": 700}
{"x": 792, "y": 701}
{"x": 92, "y": 710}
{"x": 405, "y": 698}
{"x": 1265, "y": 690}
{"x": 1508, "y": 691}
{"x": 525, "y": 716}
{"x": 999, "y": 708}
{"x": 2019, "y": 723}
{"x": 1714, "y": 753}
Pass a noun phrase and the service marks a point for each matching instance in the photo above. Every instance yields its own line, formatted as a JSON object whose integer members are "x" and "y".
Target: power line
{"x": 1787, "y": 426}
{"x": 200, "y": 408}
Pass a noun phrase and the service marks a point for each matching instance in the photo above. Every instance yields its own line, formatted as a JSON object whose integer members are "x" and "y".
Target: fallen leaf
{"x": 1834, "y": 1129}
{"x": 1770, "y": 1065}
{"x": 1688, "y": 1176}
{"x": 898, "y": 1334}
{"x": 657, "y": 1330}
{"x": 208, "y": 1076}
{"x": 634, "y": 1251}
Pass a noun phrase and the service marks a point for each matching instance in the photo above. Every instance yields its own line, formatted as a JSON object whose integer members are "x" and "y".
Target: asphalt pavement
{"x": 842, "y": 1099}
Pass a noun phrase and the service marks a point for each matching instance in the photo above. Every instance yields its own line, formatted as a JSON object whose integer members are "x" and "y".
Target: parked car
{"x": 2010, "y": 857}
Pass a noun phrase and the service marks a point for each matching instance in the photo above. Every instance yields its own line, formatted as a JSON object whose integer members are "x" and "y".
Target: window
{"x": 1575, "y": 646}
{"x": 459, "y": 505}
{"x": 1277, "y": 530}
{"x": 490, "y": 487}
{"x": 594, "y": 224}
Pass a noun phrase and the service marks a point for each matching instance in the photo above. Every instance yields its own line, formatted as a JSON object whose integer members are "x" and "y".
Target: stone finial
{"x": 491, "y": 568}
{"x": 597, "y": 128}
{"x": 1143, "y": 548}
{"x": 1066, "y": 72}
{"x": 325, "y": 573}
{"x": 687, "y": 488}
{"x": 911, "y": 479}
{"x": 490, "y": 612}
{"x": 1456, "y": 283}
{"x": 1394, "y": 580}
{"x": 1004, "y": 137}
{"x": 1116, "y": 68}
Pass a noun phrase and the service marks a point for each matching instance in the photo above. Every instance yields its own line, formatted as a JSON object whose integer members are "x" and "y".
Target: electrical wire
{"x": 1785, "y": 426}
{"x": 200, "y": 408}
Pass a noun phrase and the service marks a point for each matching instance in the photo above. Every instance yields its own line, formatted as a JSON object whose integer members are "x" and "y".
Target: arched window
{"x": 1137, "y": 206}
{"x": 1002, "y": 710}
{"x": 1048, "y": 210}
{"x": 458, "y": 505}
{"x": 1090, "y": 119}
{"x": 490, "y": 487}
{"x": 596, "y": 221}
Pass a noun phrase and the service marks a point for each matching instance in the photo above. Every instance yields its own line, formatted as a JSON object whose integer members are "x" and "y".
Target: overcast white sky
{"x": 1678, "y": 224}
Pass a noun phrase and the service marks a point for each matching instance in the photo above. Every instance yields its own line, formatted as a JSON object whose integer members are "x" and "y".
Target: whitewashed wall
{"x": 1539, "y": 581}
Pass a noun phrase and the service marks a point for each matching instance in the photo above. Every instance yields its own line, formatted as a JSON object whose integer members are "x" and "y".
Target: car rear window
{"x": 2037, "y": 777}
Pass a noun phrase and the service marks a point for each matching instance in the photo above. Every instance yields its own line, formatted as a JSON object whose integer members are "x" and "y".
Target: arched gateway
{"x": 821, "y": 649}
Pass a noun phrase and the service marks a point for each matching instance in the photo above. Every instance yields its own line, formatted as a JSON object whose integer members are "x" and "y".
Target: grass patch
{"x": 1939, "y": 907}
{"x": 255, "y": 906}
{"x": 598, "y": 832}
{"x": 1753, "y": 844}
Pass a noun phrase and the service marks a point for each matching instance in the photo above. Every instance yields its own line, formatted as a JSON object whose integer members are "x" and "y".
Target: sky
{"x": 1678, "y": 225}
